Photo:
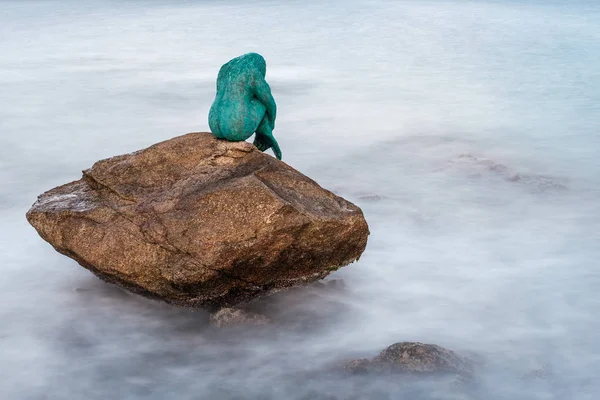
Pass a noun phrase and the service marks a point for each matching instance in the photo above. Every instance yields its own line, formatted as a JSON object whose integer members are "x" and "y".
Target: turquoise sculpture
{"x": 244, "y": 104}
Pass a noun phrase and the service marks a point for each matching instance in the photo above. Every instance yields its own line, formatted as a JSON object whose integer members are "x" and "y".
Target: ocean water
{"x": 467, "y": 131}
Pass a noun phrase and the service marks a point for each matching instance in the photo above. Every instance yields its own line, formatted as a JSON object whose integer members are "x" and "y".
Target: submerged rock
{"x": 414, "y": 358}
{"x": 228, "y": 317}
{"x": 196, "y": 221}
{"x": 478, "y": 167}
{"x": 540, "y": 373}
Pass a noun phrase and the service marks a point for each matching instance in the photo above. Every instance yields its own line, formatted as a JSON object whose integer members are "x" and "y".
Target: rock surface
{"x": 414, "y": 358}
{"x": 197, "y": 221}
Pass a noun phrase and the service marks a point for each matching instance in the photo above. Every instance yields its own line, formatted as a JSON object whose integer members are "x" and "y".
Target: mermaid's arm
{"x": 263, "y": 92}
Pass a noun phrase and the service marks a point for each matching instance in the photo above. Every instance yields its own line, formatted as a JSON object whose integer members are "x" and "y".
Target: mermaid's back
{"x": 236, "y": 113}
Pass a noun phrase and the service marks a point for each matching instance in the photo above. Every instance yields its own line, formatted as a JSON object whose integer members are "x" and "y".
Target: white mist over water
{"x": 420, "y": 112}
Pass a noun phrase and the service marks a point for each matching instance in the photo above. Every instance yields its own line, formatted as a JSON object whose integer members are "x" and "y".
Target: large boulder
{"x": 197, "y": 221}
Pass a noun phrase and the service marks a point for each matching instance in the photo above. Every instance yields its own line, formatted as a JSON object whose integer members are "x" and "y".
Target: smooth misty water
{"x": 418, "y": 111}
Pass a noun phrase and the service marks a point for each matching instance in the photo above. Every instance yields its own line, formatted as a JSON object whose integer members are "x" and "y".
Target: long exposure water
{"x": 467, "y": 131}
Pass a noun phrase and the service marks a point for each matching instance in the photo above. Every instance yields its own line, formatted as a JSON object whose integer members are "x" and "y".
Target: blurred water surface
{"x": 468, "y": 131}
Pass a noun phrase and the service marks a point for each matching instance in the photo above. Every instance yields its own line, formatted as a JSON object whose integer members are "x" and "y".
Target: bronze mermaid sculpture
{"x": 244, "y": 104}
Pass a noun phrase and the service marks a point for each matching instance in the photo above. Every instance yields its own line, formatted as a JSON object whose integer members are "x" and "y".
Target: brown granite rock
{"x": 414, "y": 358}
{"x": 197, "y": 221}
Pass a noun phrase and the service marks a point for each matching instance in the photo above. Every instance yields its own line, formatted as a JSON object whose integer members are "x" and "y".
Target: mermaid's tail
{"x": 264, "y": 139}
{"x": 264, "y": 142}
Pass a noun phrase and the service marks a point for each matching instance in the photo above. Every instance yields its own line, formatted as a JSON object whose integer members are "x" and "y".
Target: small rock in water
{"x": 543, "y": 372}
{"x": 359, "y": 366}
{"x": 371, "y": 197}
{"x": 335, "y": 285}
{"x": 414, "y": 358}
{"x": 227, "y": 317}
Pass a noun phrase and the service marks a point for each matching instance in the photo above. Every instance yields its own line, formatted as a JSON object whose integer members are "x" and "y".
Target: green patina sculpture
{"x": 244, "y": 104}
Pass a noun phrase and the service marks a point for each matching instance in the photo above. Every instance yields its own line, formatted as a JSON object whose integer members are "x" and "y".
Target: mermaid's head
{"x": 257, "y": 61}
